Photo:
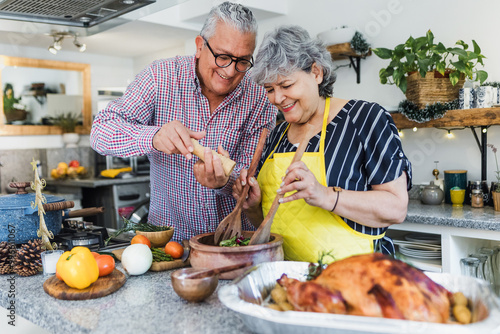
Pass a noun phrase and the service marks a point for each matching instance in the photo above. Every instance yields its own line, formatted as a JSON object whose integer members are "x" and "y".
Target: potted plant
{"x": 68, "y": 122}
{"x": 421, "y": 64}
{"x": 496, "y": 192}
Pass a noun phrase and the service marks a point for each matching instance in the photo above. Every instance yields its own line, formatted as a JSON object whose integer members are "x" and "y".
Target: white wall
{"x": 386, "y": 23}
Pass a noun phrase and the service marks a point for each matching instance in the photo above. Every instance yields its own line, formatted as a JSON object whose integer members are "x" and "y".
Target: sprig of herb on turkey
{"x": 315, "y": 269}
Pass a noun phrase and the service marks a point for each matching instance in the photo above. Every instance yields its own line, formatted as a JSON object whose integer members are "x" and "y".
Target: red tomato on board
{"x": 106, "y": 264}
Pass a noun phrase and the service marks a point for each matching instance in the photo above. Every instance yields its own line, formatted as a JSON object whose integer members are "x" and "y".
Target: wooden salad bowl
{"x": 205, "y": 255}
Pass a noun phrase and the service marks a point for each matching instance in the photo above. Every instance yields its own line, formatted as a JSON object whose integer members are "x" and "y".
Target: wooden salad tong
{"x": 231, "y": 225}
{"x": 263, "y": 233}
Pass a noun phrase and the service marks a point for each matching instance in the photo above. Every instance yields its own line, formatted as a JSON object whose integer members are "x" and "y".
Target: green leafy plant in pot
{"x": 422, "y": 57}
{"x": 68, "y": 122}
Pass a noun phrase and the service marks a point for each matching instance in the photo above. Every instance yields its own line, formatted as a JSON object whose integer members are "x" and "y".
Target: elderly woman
{"x": 352, "y": 181}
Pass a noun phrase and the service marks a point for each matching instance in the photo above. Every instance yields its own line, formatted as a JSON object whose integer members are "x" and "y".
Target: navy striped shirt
{"x": 362, "y": 148}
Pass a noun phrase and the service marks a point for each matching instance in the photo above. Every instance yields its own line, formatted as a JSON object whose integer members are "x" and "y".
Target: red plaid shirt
{"x": 169, "y": 90}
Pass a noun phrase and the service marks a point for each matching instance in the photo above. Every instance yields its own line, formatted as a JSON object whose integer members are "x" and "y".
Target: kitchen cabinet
{"x": 462, "y": 230}
{"x": 462, "y": 118}
{"x": 344, "y": 51}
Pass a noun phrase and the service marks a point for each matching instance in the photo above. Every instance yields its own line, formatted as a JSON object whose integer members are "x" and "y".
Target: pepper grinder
{"x": 438, "y": 182}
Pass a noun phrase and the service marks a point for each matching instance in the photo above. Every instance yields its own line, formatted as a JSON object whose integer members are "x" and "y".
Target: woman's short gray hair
{"x": 238, "y": 16}
{"x": 289, "y": 49}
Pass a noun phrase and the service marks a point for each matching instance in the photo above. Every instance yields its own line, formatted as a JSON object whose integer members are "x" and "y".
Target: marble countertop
{"x": 97, "y": 182}
{"x": 148, "y": 303}
{"x": 485, "y": 218}
{"x": 144, "y": 304}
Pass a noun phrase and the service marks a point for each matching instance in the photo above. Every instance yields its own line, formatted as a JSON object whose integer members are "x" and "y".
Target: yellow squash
{"x": 78, "y": 268}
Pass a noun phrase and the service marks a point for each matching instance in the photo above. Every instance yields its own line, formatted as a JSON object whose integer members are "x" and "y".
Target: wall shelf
{"x": 454, "y": 118}
{"x": 471, "y": 118}
{"x": 344, "y": 51}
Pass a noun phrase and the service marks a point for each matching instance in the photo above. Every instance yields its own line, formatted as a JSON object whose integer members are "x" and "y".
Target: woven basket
{"x": 429, "y": 90}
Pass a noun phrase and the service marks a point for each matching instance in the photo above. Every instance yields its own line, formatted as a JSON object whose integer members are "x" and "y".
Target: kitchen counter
{"x": 97, "y": 182}
{"x": 148, "y": 304}
{"x": 145, "y": 304}
{"x": 485, "y": 218}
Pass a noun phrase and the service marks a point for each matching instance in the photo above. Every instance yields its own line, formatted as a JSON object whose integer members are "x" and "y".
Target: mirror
{"x": 33, "y": 90}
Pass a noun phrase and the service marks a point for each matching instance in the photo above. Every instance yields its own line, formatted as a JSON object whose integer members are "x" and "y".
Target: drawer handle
{"x": 128, "y": 197}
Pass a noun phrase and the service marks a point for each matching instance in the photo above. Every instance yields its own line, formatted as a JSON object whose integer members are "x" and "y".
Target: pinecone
{"x": 28, "y": 260}
{"x": 5, "y": 257}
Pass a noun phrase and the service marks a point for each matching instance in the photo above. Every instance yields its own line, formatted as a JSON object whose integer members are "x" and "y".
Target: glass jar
{"x": 476, "y": 199}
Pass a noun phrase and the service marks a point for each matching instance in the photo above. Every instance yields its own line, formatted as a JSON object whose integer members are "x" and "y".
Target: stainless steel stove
{"x": 81, "y": 233}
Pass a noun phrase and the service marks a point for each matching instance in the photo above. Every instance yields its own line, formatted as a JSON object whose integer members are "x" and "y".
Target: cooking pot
{"x": 19, "y": 221}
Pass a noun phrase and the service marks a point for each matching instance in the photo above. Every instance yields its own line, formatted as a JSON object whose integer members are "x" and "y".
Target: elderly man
{"x": 207, "y": 96}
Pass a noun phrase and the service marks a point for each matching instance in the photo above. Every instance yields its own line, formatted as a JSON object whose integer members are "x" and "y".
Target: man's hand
{"x": 175, "y": 138}
{"x": 210, "y": 172}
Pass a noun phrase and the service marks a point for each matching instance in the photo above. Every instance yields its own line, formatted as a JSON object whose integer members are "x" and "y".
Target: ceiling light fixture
{"x": 58, "y": 39}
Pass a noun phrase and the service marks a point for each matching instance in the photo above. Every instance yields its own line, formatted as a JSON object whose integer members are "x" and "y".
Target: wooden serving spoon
{"x": 231, "y": 225}
{"x": 215, "y": 271}
{"x": 199, "y": 151}
{"x": 263, "y": 233}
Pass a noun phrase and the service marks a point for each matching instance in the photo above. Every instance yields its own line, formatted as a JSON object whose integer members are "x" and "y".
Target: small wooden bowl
{"x": 158, "y": 239}
{"x": 193, "y": 289}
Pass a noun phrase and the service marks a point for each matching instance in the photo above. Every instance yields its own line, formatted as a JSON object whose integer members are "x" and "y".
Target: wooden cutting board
{"x": 157, "y": 266}
{"x": 100, "y": 288}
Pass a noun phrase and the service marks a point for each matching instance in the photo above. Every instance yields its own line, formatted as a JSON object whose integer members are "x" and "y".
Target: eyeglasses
{"x": 222, "y": 60}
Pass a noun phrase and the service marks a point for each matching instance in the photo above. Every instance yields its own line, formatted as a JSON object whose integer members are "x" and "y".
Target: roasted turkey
{"x": 372, "y": 285}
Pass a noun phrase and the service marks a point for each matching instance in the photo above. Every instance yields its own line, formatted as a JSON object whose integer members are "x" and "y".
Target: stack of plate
{"x": 420, "y": 246}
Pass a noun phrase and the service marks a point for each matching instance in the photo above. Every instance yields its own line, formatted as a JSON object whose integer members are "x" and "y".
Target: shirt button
{"x": 401, "y": 154}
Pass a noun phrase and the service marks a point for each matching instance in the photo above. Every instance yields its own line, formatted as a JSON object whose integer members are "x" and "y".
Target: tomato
{"x": 140, "y": 239}
{"x": 106, "y": 264}
{"x": 74, "y": 163}
{"x": 174, "y": 249}
{"x": 95, "y": 254}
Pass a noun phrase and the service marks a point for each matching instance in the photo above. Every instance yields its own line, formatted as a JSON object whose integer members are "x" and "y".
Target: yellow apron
{"x": 309, "y": 230}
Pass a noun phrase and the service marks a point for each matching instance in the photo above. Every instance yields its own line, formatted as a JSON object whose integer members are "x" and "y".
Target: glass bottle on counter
{"x": 476, "y": 200}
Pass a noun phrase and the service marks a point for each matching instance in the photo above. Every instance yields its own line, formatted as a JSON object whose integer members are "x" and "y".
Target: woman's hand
{"x": 254, "y": 196}
{"x": 175, "y": 138}
{"x": 299, "y": 178}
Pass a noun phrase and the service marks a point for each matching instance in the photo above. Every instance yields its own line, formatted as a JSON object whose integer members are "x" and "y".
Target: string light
{"x": 449, "y": 135}
{"x": 400, "y": 132}
{"x": 415, "y": 129}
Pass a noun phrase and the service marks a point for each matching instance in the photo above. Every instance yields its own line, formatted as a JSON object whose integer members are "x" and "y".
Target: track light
{"x": 58, "y": 39}
{"x": 81, "y": 46}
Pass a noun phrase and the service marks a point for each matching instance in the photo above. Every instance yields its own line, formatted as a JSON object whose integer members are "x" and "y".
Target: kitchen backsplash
{"x": 17, "y": 163}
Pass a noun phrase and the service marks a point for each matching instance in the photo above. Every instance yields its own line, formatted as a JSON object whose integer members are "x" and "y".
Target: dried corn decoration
{"x": 37, "y": 186}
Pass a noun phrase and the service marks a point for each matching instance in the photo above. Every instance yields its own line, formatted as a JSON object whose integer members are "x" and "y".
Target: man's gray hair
{"x": 237, "y": 16}
{"x": 289, "y": 49}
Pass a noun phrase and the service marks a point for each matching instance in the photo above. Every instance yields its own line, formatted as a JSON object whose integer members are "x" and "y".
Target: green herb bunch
{"x": 131, "y": 226}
